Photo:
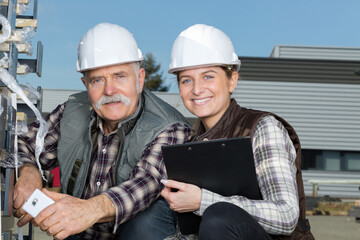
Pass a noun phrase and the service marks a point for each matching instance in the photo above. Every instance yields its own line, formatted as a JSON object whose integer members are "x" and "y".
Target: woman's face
{"x": 206, "y": 92}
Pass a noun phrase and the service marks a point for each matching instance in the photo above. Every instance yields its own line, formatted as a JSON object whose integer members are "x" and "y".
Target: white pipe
{"x": 12, "y": 84}
{"x": 14, "y": 105}
{"x": 340, "y": 181}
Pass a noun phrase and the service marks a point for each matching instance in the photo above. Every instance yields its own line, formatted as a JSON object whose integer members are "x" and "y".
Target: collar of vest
{"x": 219, "y": 128}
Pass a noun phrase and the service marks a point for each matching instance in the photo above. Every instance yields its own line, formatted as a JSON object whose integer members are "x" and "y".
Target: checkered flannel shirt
{"x": 131, "y": 196}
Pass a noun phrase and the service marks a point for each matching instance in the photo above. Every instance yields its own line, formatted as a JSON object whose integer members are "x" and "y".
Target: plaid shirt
{"x": 274, "y": 156}
{"x": 131, "y": 196}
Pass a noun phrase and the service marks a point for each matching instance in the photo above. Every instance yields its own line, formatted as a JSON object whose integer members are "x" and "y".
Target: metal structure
{"x": 8, "y": 108}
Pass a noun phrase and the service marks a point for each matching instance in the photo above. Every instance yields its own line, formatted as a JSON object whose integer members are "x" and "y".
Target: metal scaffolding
{"x": 16, "y": 25}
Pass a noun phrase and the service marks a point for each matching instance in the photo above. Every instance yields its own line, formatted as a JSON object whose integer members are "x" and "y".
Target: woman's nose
{"x": 198, "y": 87}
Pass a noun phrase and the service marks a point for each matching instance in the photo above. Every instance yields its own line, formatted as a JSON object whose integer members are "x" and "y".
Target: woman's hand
{"x": 187, "y": 199}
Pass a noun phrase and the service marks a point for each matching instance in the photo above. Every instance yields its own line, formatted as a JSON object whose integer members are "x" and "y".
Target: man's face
{"x": 113, "y": 91}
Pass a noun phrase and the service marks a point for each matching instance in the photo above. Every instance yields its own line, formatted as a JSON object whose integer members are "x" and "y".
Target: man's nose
{"x": 110, "y": 87}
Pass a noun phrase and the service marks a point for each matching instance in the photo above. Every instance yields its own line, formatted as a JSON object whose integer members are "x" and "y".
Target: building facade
{"x": 316, "y": 89}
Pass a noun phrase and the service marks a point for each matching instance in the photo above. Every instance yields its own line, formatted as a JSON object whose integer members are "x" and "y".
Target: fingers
{"x": 52, "y": 227}
{"x": 26, "y": 218}
{"x": 53, "y": 195}
{"x": 61, "y": 235}
{"x": 19, "y": 212}
{"x": 165, "y": 193}
{"x": 173, "y": 184}
{"x": 18, "y": 201}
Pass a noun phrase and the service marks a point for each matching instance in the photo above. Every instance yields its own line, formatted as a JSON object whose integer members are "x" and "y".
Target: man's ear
{"x": 233, "y": 81}
{"x": 84, "y": 81}
{"x": 141, "y": 79}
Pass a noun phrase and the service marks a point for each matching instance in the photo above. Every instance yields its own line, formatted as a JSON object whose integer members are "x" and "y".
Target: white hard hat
{"x": 202, "y": 45}
{"x": 106, "y": 44}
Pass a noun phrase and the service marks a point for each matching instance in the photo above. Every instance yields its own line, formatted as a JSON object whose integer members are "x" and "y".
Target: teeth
{"x": 201, "y": 100}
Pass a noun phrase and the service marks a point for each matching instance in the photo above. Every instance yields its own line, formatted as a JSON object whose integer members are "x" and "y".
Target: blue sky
{"x": 254, "y": 26}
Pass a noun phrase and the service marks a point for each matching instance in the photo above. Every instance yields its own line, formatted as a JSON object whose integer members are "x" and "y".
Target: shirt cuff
{"x": 117, "y": 205}
{"x": 207, "y": 198}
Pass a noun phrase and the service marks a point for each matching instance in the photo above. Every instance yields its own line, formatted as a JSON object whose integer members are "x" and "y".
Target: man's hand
{"x": 29, "y": 180}
{"x": 187, "y": 199}
{"x": 70, "y": 215}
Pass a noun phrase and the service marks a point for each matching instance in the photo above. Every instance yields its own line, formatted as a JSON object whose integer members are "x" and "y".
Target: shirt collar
{"x": 218, "y": 130}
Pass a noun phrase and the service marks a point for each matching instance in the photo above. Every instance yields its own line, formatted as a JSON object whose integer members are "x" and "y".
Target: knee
{"x": 228, "y": 221}
{"x": 217, "y": 217}
{"x": 157, "y": 213}
{"x": 155, "y": 222}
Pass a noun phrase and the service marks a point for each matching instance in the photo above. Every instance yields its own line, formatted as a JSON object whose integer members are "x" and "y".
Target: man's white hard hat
{"x": 202, "y": 45}
{"x": 106, "y": 44}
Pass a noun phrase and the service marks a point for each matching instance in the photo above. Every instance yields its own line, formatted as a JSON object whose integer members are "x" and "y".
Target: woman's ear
{"x": 233, "y": 81}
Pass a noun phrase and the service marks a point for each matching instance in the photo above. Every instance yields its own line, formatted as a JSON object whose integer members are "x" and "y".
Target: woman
{"x": 206, "y": 66}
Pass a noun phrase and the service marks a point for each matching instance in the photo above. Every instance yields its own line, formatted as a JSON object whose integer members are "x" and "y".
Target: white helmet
{"x": 202, "y": 45}
{"x": 106, "y": 44}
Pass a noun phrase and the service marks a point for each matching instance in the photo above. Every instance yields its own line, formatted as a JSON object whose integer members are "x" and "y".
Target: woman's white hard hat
{"x": 202, "y": 45}
{"x": 106, "y": 44}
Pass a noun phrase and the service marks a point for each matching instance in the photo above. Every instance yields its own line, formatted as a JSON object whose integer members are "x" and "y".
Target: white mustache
{"x": 111, "y": 99}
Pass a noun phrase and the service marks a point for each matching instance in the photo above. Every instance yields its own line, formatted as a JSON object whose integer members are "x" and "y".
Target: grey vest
{"x": 79, "y": 123}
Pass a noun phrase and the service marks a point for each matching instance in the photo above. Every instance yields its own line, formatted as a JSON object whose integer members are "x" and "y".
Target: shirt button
{"x": 104, "y": 150}
{"x": 205, "y": 139}
{"x": 98, "y": 183}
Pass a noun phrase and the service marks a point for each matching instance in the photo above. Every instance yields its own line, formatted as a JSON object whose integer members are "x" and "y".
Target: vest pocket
{"x": 73, "y": 176}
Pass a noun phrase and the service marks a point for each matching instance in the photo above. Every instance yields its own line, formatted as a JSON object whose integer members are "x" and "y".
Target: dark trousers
{"x": 227, "y": 221}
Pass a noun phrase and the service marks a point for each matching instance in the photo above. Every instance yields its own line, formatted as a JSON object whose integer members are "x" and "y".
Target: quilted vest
{"x": 78, "y": 127}
{"x": 240, "y": 122}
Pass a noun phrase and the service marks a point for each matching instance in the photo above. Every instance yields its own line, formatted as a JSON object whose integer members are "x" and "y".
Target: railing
{"x": 340, "y": 189}
{"x": 315, "y": 183}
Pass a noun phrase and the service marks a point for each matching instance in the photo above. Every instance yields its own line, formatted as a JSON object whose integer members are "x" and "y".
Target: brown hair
{"x": 228, "y": 69}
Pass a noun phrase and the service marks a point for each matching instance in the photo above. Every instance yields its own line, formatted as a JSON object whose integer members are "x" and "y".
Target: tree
{"x": 153, "y": 79}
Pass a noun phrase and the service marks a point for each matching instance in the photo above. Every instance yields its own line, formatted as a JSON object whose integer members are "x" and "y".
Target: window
{"x": 352, "y": 161}
{"x": 330, "y": 160}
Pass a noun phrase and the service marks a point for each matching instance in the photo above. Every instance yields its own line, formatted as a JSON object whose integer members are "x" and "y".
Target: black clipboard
{"x": 224, "y": 166}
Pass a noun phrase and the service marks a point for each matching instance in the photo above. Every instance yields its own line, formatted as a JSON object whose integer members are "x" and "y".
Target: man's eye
{"x": 185, "y": 81}
{"x": 120, "y": 78}
{"x": 208, "y": 77}
{"x": 96, "y": 82}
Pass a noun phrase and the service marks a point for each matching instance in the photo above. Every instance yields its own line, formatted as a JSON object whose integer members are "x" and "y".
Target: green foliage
{"x": 153, "y": 79}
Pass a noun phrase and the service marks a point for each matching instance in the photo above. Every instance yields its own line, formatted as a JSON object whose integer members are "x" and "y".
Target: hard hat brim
{"x": 178, "y": 69}
{"x": 105, "y": 65}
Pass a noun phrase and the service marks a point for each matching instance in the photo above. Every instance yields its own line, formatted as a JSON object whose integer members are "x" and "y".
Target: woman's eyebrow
{"x": 208, "y": 71}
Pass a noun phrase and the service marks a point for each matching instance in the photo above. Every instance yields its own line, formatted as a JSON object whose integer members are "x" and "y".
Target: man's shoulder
{"x": 79, "y": 96}
{"x": 78, "y": 104}
{"x": 158, "y": 107}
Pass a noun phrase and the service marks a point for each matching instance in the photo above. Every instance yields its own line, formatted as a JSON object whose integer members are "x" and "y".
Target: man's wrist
{"x": 104, "y": 208}
{"x": 31, "y": 169}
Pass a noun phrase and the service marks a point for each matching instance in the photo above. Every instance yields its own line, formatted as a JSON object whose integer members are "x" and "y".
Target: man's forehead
{"x": 110, "y": 70}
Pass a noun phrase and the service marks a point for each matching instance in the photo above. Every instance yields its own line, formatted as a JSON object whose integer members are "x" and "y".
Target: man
{"x": 107, "y": 142}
